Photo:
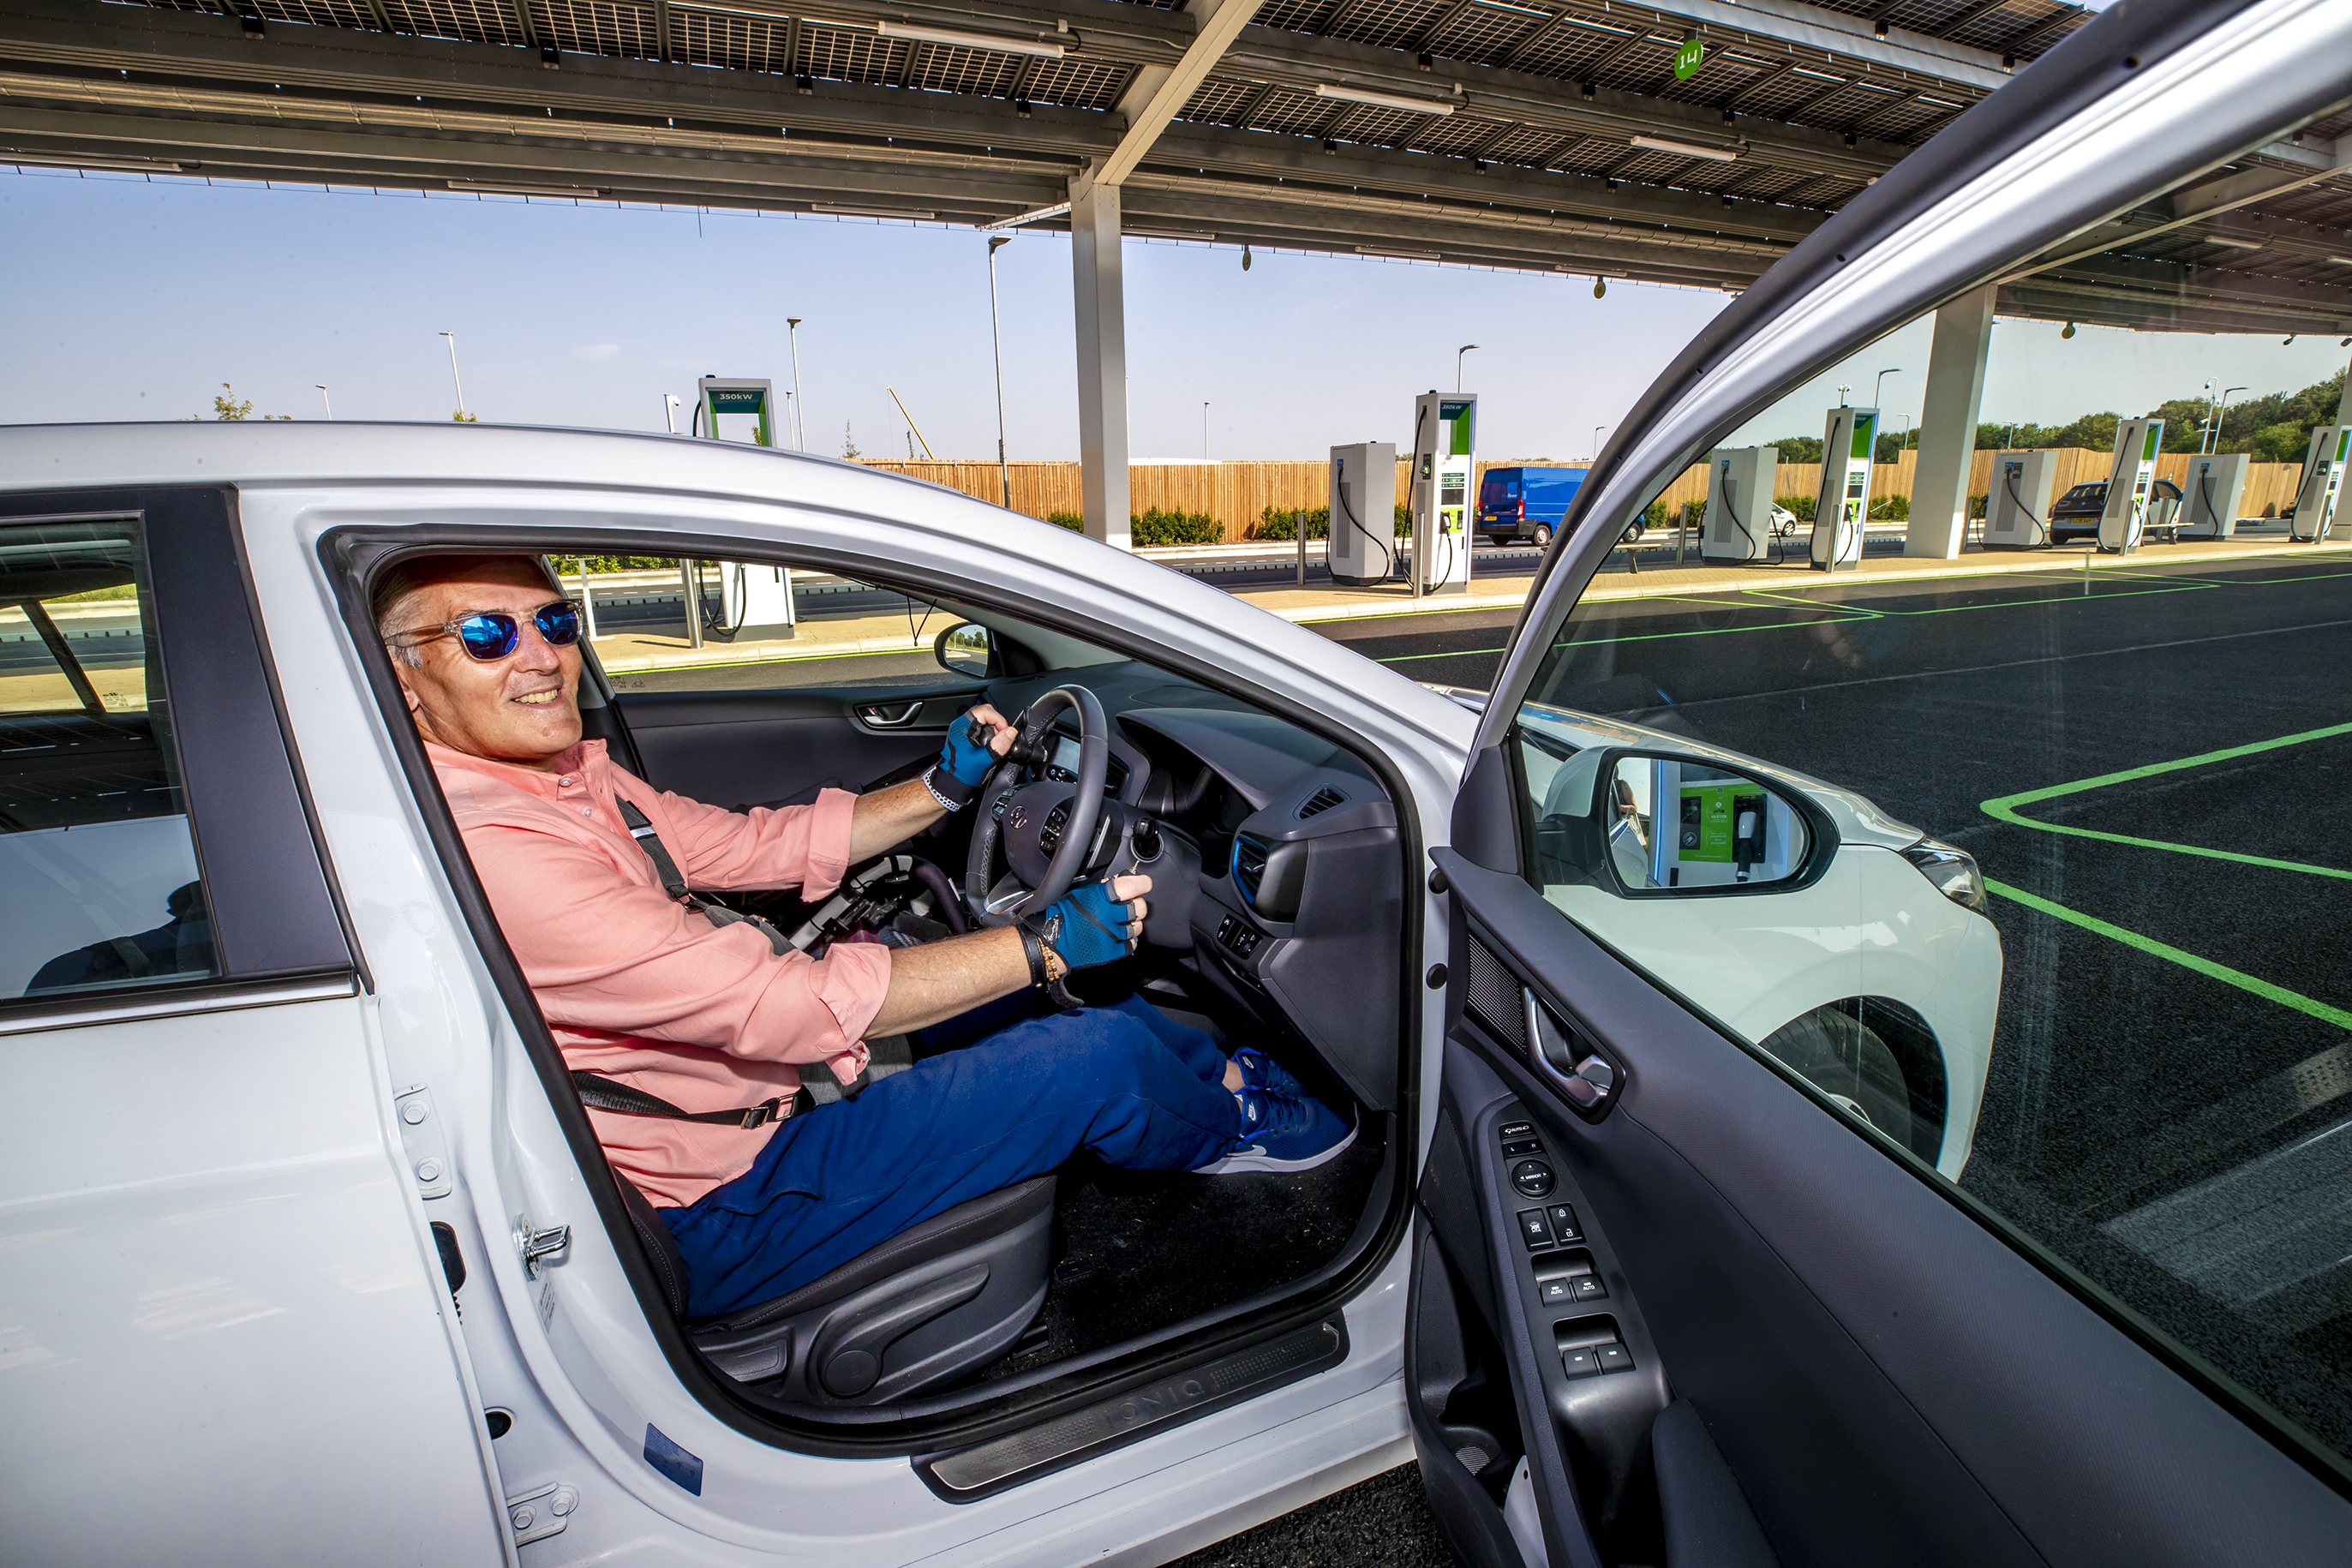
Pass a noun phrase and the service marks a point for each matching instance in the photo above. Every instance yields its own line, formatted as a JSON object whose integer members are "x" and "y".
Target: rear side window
{"x": 104, "y": 889}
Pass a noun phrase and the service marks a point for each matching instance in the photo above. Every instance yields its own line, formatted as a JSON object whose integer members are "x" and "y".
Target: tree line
{"x": 2272, "y": 429}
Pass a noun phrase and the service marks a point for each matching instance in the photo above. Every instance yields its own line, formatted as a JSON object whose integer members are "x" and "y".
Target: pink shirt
{"x": 641, "y": 989}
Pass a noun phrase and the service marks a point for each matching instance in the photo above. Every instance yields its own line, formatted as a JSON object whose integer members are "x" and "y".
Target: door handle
{"x": 889, "y": 716}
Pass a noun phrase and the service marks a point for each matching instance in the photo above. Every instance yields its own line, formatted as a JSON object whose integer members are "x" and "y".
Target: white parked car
{"x": 310, "y": 1253}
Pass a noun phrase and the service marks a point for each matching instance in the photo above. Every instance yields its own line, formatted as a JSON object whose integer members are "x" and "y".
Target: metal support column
{"x": 1948, "y": 426}
{"x": 1102, "y": 359}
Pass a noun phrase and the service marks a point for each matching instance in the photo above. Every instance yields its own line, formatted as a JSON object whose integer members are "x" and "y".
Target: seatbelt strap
{"x": 601, "y": 1094}
{"x": 674, "y": 883}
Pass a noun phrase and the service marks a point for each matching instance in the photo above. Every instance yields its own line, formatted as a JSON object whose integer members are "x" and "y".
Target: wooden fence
{"x": 1238, "y": 493}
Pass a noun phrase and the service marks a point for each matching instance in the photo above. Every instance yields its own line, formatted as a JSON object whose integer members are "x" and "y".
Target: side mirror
{"x": 968, "y": 650}
{"x": 1655, "y": 824}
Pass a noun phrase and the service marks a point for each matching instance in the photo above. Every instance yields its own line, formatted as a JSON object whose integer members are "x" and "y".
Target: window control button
{"x": 1557, "y": 1292}
{"x": 1532, "y": 1178}
{"x": 1589, "y": 1288}
{"x": 1533, "y": 1229}
{"x": 1563, "y": 1223}
{"x": 1511, "y": 1129}
{"x": 1519, "y": 1146}
{"x": 1615, "y": 1358}
{"x": 1581, "y": 1362}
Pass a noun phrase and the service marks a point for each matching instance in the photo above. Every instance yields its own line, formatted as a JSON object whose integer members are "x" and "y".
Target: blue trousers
{"x": 1139, "y": 1090}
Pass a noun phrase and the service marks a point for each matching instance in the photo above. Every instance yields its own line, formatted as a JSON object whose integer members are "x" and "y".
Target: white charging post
{"x": 754, "y": 598}
{"x": 1738, "y": 526}
{"x": 1849, "y": 448}
{"x": 1360, "y": 538}
{"x": 1445, "y": 464}
{"x": 2321, "y": 483}
{"x": 2017, "y": 508}
{"x": 2217, "y": 483}
{"x": 2129, "y": 477}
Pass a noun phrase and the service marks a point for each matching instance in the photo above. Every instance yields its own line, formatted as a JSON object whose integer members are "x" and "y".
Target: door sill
{"x": 967, "y": 1475}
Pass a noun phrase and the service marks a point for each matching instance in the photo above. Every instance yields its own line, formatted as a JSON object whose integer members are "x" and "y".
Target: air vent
{"x": 1322, "y": 800}
{"x": 1249, "y": 867}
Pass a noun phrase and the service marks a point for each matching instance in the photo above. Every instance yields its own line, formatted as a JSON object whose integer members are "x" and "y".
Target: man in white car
{"x": 687, "y": 1025}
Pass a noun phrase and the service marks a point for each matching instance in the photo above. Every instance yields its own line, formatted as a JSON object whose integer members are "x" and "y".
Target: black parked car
{"x": 2075, "y": 515}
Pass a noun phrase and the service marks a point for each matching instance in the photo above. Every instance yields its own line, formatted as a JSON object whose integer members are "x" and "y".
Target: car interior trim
{"x": 94, "y": 1009}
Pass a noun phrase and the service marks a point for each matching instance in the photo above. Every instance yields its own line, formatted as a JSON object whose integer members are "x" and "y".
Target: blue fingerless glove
{"x": 964, "y": 763}
{"x": 1086, "y": 928}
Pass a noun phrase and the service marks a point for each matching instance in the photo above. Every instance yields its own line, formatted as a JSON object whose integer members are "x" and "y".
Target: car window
{"x": 104, "y": 890}
{"x": 2065, "y": 735}
{"x": 765, "y": 626}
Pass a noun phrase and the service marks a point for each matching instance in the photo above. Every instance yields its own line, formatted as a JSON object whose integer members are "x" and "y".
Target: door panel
{"x": 1886, "y": 1379}
{"x": 749, "y": 748}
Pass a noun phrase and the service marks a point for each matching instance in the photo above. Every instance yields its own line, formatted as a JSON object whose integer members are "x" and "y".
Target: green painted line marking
{"x": 2149, "y": 945}
{"x": 2006, "y": 808}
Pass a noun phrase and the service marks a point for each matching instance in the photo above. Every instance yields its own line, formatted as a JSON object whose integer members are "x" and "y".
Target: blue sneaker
{"x": 1262, "y": 1071}
{"x": 1282, "y": 1132}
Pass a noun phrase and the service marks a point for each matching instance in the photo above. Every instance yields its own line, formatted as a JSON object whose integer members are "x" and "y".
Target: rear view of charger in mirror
{"x": 1675, "y": 824}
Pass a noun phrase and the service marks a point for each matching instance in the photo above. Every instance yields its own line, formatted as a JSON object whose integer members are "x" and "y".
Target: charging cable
{"x": 1388, "y": 551}
{"x": 1771, "y": 549}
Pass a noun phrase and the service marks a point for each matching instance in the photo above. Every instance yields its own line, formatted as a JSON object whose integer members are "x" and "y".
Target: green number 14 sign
{"x": 1687, "y": 59}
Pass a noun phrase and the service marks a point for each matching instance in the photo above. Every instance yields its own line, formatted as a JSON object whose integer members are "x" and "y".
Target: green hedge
{"x": 1274, "y": 523}
{"x": 1155, "y": 526}
{"x": 1802, "y": 506}
{"x": 1893, "y": 509}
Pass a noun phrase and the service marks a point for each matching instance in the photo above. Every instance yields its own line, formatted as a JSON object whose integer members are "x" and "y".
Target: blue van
{"x": 1524, "y": 503}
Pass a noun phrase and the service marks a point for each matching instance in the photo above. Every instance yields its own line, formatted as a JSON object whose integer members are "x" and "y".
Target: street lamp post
{"x": 2224, "y": 413}
{"x": 1465, "y": 349}
{"x": 670, "y": 405}
{"x": 800, "y": 403}
{"x": 1596, "y": 441}
{"x": 460, "y": 385}
{"x": 1881, "y": 381}
{"x": 1204, "y": 432}
{"x": 324, "y": 398}
{"x": 996, "y": 338}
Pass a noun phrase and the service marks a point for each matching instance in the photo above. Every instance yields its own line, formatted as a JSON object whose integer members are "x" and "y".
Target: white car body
{"x": 223, "y": 1300}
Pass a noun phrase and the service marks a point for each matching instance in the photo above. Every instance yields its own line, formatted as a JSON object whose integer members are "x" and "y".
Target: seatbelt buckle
{"x": 760, "y": 1115}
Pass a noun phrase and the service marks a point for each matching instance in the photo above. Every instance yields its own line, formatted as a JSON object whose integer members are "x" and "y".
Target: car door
{"x": 225, "y": 1330}
{"x": 1677, "y": 1299}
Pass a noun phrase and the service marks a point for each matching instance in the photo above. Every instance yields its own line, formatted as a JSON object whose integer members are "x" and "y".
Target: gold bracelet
{"x": 1056, "y": 966}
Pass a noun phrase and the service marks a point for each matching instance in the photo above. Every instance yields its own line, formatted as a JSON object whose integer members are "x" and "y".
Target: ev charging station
{"x": 1362, "y": 524}
{"x": 1445, "y": 464}
{"x": 753, "y": 598}
{"x": 1738, "y": 529}
{"x": 2129, "y": 479}
{"x": 1849, "y": 448}
{"x": 2217, "y": 483}
{"x": 2323, "y": 483}
{"x": 2017, "y": 509}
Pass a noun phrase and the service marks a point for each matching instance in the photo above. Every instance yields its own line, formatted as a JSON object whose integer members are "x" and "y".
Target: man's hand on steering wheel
{"x": 1095, "y": 923}
{"x": 975, "y": 741}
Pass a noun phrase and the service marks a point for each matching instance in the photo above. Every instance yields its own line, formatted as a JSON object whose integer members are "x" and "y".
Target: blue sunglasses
{"x": 489, "y": 634}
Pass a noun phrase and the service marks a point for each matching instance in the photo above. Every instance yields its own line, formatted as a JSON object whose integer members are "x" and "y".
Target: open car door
{"x": 1677, "y": 1298}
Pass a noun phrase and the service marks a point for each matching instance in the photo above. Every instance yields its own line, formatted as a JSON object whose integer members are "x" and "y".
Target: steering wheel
{"x": 1047, "y": 826}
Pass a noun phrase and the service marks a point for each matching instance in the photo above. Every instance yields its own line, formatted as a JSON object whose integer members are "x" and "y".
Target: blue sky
{"x": 134, "y": 300}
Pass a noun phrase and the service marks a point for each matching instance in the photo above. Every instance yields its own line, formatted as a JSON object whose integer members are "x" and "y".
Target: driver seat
{"x": 934, "y": 1301}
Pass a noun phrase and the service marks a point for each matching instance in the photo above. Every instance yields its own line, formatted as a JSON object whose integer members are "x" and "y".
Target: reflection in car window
{"x": 2099, "y": 983}
{"x": 95, "y": 851}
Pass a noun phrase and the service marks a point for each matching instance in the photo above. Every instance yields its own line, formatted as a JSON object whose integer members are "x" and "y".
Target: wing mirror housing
{"x": 1661, "y": 824}
{"x": 968, "y": 649}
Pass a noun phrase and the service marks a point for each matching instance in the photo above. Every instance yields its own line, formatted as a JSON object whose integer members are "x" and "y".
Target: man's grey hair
{"x": 399, "y": 596}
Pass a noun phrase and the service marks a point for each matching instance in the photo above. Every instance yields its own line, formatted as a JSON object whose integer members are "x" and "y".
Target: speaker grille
{"x": 1492, "y": 996}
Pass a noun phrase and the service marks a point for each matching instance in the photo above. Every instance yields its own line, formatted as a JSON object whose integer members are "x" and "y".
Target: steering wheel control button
{"x": 1584, "y": 1360}
{"x": 1532, "y": 1178}
{"x": 1534, "y": 1229}
{"x": 1589, "y": 1288}
{"x": 1563, "y": 1223}
{"x": 1615, "y": 1357}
